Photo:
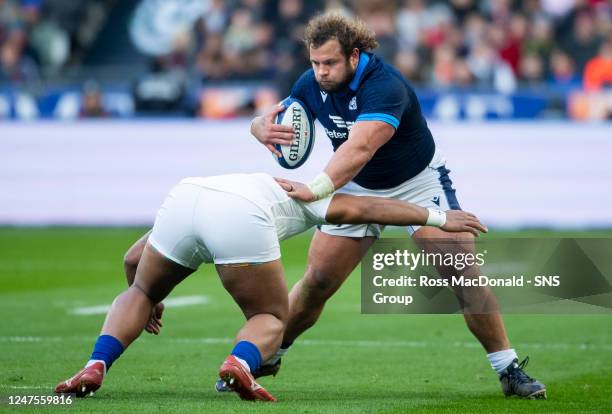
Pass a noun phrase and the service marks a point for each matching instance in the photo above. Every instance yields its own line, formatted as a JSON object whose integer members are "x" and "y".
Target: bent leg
{"x": 482, "y": 316}
{"x": 331, "y": 259}
{"x": 155, "y": 278}
{"x": 132, "y": 257}
{"x": 261, "y": 293}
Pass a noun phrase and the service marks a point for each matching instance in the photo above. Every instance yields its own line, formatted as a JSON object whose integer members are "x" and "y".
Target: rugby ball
{"x": 296, "y": 115}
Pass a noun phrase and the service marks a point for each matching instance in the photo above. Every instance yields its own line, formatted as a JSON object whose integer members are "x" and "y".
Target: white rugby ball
{"x": 296, "y": 115}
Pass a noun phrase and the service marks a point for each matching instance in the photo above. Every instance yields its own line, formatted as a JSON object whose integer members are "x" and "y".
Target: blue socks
{"x": 247, "y": 351}
{"x": 108, "y": 349}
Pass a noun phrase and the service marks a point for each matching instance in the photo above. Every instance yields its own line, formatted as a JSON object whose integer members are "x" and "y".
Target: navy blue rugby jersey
{"x": 378, "y": 92}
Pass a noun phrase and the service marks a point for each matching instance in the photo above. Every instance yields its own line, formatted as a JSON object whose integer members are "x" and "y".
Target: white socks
{"x": 243, "y": 363}
{"x": 278, "y": 355}
{"x": 501, "y": 359}
{"x": 93, "y": 361}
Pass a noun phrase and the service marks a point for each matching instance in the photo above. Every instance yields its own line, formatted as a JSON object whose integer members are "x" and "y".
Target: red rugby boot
{"x": 83, "y": 383}
{"x": 240, "y": 380}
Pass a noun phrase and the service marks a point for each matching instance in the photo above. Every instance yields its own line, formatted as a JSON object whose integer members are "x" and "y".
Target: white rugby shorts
{"x": 198, "y": 225}
{"x": 431, "y": 188}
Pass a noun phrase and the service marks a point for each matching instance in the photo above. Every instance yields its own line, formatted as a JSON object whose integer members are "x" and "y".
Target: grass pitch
{"x": 347, "y": 363}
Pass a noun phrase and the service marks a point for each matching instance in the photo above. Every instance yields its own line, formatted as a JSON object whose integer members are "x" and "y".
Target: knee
{"x": 434, "y": 240}
{"x": 277, "y": 325}
{"x": 131, "y": 259}
{"x": 318, "y": 282}
{"x": 132, "y": 295}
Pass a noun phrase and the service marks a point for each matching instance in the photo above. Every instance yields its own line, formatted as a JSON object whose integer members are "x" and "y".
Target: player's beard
{"x": 335, "y": 86}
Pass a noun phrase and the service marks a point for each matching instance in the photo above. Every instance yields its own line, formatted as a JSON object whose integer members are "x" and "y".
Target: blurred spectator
{"x": 508, "y": 43}
{"x": 583, "y": 43}
{"x": 410, "y": 22}
{"x": 91, "y": 106}
{"x": 337, "y": 6}
{"x": 463, "y": 8}
{"x": 408, "y": 63}
{"x": 489, "y": 70}
{"x": 540, "y": 39}
{"x": 563, "y": 70}
{"x": 462, "y": 76}
{"x": 443, "y": 66}
{"x": 379, "y": 17}
{"x": 15, "y": 66}
{"x": 598, "y": 71}
{"x": 531, "y": 70}
{"x": 557, "y": 8}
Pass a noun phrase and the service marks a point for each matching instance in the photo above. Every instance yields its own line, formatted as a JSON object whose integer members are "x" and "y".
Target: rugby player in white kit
{"x": 236, "y": 222}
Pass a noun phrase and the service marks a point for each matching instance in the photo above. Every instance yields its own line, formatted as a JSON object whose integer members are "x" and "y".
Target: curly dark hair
{"x": 350, "y": 33}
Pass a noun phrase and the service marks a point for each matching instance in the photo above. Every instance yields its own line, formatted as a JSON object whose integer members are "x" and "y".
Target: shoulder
{"x": 385, "y": 78}
{"x": 384, "y": 82}
{"x": 306, "y": 80}
{"x": 306, "y": 89}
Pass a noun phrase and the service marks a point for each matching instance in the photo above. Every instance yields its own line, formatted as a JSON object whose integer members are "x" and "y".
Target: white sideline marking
{"x": 331, "y": 342}
{"x": 27, "y": 387}
{"x": 170, "y": 303}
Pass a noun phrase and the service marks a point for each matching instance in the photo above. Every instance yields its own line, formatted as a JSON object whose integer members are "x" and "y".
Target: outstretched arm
{"x": 348, "y": 209}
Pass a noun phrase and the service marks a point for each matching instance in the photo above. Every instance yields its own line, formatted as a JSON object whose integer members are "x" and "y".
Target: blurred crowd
{"x": 489, "y": 44}
{"x": 39, "y": 38}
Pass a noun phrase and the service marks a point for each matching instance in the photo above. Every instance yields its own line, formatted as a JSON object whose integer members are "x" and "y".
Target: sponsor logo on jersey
{"x": 353, "y": 104}
{"x": 341, "y": 123}
{"x": 333, "y": 134}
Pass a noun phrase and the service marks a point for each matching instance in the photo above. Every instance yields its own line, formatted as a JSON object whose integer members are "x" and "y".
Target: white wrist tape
{"x": 321, "y": 186}
{"x": 436, "y": 218}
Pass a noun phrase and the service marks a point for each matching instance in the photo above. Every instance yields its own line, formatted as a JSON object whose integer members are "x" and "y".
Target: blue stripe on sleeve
{"x": 389, "y": 119}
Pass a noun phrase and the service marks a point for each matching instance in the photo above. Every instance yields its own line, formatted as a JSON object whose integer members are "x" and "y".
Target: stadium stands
{"x": 174, "y": 50}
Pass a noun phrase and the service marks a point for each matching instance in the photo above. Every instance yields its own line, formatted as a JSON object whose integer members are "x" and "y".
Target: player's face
{"x": 333, "y": 70}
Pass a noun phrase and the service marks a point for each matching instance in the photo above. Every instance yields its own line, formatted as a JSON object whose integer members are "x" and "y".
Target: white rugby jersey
{"x": 289, "y": 216}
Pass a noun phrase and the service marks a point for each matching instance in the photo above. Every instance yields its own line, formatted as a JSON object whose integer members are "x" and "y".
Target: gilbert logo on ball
{"x": 297, "y": 116}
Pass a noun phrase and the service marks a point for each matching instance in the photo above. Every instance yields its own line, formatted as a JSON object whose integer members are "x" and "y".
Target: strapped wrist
{"x": 436, "y": 218}
{"x": 322, "y": 186}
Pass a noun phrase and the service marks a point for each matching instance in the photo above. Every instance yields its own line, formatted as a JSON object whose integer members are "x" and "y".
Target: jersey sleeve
{"x": 383, "y": 101}
{"x": 316, "y": 210}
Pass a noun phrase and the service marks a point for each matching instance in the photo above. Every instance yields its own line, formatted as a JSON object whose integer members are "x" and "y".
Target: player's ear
{"x": 354, "y": 58}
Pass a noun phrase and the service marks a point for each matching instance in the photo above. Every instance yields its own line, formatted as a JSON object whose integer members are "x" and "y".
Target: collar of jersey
{"x": 364, "y": 59}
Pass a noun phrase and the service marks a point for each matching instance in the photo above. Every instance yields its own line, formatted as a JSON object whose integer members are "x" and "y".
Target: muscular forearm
{"x": 346, "y": 163}
{"x": 347, "y": 209}
{"x": 394, "y": 212}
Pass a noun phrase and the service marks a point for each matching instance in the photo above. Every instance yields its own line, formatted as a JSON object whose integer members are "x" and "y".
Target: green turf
{"x": 428, "y": 363}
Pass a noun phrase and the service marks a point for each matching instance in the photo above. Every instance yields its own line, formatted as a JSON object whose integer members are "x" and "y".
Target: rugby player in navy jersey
{"x": 383, "y": 147}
